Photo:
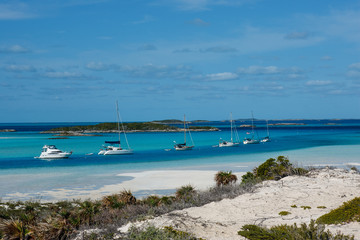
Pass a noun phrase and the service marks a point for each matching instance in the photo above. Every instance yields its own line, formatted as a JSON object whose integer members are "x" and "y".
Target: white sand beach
{"x": 145, "y": 181}
{"x": 222, "y": 220}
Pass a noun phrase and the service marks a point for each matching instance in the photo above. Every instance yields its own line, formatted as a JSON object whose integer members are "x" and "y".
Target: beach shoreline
{"x": 304, "y": 197}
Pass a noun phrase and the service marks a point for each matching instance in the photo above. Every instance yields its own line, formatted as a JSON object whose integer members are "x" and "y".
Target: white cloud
{"x": 318, "y": 83}
{"x": 355, "y": 66}
{"x": 219, "y": 49}
{"x": 221, "y": 76}
{"x": 198, "y": 22}
{"x": 326, "y": 58}
{"x": 98, "y": 66}
{"x": 19, "y": 68}
{"x": 297, "y": 35}
{"x": 66, "y": 75}
{"x": 14, "y": 11}
{"x": 260, "y": 70}
{"x": 147, "y": 47}
{"x": 354, "y": 70}
{"x": 14, "y": 49}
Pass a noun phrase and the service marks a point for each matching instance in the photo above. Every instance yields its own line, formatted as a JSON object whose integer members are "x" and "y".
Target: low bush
{"x": 284, "y": 213}
{"x": 273, "y": 169}
{"x": 312, "y": 231}
{"x": 306, "y": 207}
{"x": 223, "y": 178}
{"x": 348, "y": 212}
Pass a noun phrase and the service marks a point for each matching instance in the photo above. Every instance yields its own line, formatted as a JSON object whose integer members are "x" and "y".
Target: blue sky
{"x": 70, "y": 60}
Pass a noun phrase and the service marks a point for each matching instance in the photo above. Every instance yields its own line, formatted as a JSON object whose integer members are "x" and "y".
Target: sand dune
{"x": 222, "y": 220}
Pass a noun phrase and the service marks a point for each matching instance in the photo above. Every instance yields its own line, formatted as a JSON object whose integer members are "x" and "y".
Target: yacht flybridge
{"x": 51, "y": 152}
{"x": 114, "y": 147}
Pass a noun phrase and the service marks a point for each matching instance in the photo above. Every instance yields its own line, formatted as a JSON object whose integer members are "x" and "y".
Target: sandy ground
{"x": 147, "y": 182}
{"x": 222, "y": 220}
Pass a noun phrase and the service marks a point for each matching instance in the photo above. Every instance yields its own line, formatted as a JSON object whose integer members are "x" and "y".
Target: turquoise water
{"x": 315, "y": 143}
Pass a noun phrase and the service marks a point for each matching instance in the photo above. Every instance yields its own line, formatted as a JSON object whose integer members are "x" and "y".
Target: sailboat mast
{"x": 267, "y": 126}
{"x": 231, "y": 127}
{"x": 184, "y": 131}
{"x": 118, "y": 121}
{"x": 252, "y": 124}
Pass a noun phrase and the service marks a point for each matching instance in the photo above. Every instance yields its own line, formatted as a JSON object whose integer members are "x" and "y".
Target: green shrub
{"x": 154, "y": 233}
{"x": 224, "y": 178}
{"x": 249, "y": 177}
{"x": 348, "y": 212}
{"x": 275, "y": 169}
{"x": 290, "y": 232}
{"x": 321, "y": 207}
{"x": 185, "y": 192}
{"x": 294, "y": 206}
{"x": 284, "y": 213}
{"x": 306, "y": 207}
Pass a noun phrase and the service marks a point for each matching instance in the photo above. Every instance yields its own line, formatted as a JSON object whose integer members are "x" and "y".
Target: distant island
{"x": 7, "y": 130}
{"x": 91, "y": 130}
{"x": 286, "y": 124}
{"x": 177, "y": 121}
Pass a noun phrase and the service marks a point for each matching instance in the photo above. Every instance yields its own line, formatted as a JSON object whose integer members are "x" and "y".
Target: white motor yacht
{"x": 51, "y": 152}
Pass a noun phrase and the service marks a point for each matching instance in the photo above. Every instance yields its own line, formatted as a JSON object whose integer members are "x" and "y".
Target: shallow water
{"x": 20, "y": 173}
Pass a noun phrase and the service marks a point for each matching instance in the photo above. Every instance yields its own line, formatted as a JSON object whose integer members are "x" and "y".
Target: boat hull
{"x": 116, "y": 152}
{"x": 184, "y": 148}
{"x": 253, "y": 141}
{"x": 57, "y": 156}
{"x": 229, "y": 144}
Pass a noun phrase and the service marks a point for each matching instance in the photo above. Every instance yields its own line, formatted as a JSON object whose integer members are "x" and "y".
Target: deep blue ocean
{"x": 317, "y": 142}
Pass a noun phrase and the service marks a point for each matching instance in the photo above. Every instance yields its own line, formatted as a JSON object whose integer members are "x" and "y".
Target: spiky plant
{"x": 185, "y": 192}
{"x": 15, "y": 229}
{"x": 127, "y": 197}
{"x": 224, "y": 178}
{"x": 87, "y": 210}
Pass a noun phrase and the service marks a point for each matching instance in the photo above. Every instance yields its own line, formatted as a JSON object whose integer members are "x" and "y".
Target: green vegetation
{"x": 284, "y": 213}
{"x": 202, "y": 128}
{"x": 64, "y": 219}
{"x": 273, "y": 169}
{"x": 134, "y": 126}
{"x": 159, "y": 234}
{"x": 306, "y": 207}
{"x": 224, "y": 178}
{"x": 321, "y": 207}
{"x": 291, "y": 232}
{"x": 348, "y": 212}
{"x": 294, "y": 206}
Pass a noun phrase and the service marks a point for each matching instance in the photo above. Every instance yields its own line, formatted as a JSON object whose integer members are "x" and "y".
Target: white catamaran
{"x": 183, "y": 146}
{"x": 267, "y": 138}
{"x": 114, "y": 147}
{"x": 251, "y": 140}
{"x": 231, "y": 143}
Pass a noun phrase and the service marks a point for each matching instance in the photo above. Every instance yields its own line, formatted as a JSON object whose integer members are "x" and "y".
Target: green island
{"x": 127, "y": 127}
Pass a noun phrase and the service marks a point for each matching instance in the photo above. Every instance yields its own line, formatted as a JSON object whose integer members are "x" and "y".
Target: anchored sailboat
{"x": 267, "y": 138}
{"x": 184, "y": 146}
{"x": 114, "y": 147}
{"x": 231, "y": 143}
{"x": 251, "y": 140}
